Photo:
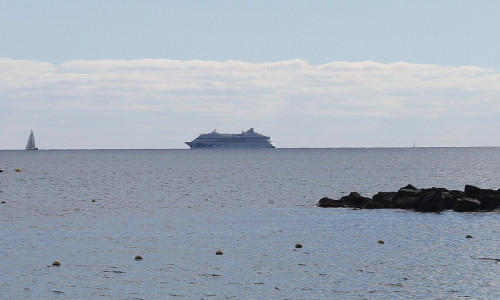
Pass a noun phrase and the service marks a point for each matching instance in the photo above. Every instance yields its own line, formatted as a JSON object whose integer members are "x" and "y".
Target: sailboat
{"x": 31, "y": 142}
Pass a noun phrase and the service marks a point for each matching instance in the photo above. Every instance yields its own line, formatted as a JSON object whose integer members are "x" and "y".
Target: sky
{"x": 154, "y": 74}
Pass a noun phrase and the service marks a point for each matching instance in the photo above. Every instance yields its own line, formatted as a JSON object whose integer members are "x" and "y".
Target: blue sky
{"x": 153, "y": 74}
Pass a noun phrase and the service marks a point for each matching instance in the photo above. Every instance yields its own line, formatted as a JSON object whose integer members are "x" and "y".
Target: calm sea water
{"x": 95, "y": 210}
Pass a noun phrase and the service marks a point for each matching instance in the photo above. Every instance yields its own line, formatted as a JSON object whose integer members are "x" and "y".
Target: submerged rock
{"x": 422, "y": 200}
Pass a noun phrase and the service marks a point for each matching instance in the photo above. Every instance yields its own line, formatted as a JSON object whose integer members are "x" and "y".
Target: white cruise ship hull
{"x": 215, "y": 140}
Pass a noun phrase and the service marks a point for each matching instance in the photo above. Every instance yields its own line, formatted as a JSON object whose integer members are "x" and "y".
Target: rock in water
{"x": 327, "y": 202}
{"x": 467, "y": 205}
{"x": 422, "y": 200}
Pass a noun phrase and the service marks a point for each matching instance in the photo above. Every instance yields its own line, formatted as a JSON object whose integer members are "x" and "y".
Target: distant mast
{"x": 31, "y": 142}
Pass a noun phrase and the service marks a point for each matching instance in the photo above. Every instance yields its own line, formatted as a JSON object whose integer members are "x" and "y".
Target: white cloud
{"x": 235, "y": 92}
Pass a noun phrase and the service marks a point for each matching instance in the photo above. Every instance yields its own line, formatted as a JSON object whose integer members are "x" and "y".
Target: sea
{"x": 94, "y": 211}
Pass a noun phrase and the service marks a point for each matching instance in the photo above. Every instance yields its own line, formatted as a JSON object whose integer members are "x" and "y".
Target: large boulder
{"x": 450, "y": 197}
{"x": 409, "y": 187}
{"x": 467, "y": 205}
{"x": 382, "y": 200}
{"x": 327, "y": 202}
{"x": 404, "y": 203}
{"x": 490, "y": 199}
{"x": 431, "y": 200}
{"x": 490, "y": 202}
{"x": 471, "y": 191}
{"x": 354, "y": 199}
{"x": 408, "y": 191}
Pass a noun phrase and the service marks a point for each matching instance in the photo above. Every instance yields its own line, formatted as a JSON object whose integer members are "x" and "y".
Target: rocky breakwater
{"x": 423, "y": 200}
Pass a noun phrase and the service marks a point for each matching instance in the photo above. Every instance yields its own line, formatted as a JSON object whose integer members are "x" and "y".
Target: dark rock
{"x": 404, "y": 203}
{"x": 382, "y": 200}
{"x": 409, "y": 187}
{"x": 467, "y": 205}
{"x": 471, "y": 191}
{"x": 405, "y": 192}
{"x": 370, "y": 204}
{"x": 327, "y": 202}
{"x": 490, "y": 202}
{"x": 451, "y": 197}
{"x": 423, "y": 200}
{"x": 354, "y": 199}
{"x": 490, "y": 199}
{"x": 431, "y": 201}
{"x": 457, "y": 192}
{"x": 384, "y": 197}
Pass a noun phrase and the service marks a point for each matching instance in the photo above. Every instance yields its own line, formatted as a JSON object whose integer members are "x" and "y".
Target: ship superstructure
{"x": 245, "y": 139}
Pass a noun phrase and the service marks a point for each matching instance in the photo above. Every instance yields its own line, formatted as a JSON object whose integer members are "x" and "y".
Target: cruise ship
{"x": 245, "y": 139}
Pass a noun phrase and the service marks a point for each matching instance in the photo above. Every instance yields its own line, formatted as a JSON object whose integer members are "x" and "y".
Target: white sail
{"x": 31, "y": 142}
